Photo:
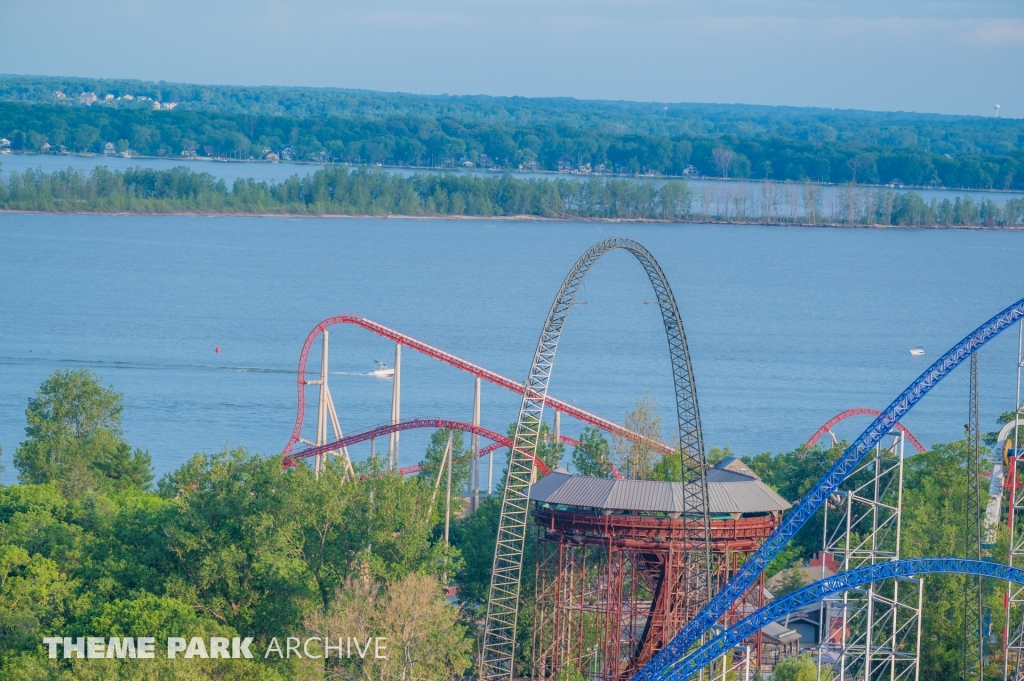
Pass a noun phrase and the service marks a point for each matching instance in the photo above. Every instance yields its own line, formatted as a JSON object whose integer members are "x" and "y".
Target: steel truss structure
{"x": 691, "y": 665}
{"x": 503, "y": 602}
{"x": 875, "y": 629}
{"x": 326, "y": 413}
{"x": 823, "y": 490}
{"x": 974, "y": 596}
{"x": 1013, "y": 635}
{"x": 611, "y": 588}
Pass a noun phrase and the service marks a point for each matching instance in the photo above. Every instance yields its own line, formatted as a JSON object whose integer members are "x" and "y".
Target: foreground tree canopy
{"x": 230, "y": 544}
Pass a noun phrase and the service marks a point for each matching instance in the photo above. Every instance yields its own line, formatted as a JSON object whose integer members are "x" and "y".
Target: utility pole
{"x": 974, "y": 598}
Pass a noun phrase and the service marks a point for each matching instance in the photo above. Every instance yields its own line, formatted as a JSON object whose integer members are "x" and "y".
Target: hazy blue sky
{"x": 941, "y": 56}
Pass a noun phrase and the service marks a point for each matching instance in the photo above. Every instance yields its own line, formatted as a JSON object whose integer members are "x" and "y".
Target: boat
{"x": 916, "y": 352}
{"x": 383, "y": 371}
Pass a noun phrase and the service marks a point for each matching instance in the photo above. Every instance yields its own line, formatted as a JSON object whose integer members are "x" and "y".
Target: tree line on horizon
{"x": 917, "y": 154}
{"x": 232, "y": 544}
{"x": 337, "y": 190}
{"x": 941, "y": 133}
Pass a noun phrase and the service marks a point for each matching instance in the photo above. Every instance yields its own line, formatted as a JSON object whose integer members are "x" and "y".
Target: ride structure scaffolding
{"x": 974, "y": 595}
{"x": 1013, "y": 633}
{"x": 614, "y": 567}
{"x": 873, "y": 631}
{"x": 327, "y": 414}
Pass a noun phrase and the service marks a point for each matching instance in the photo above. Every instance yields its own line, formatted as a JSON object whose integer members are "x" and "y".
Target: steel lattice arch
{"x": 884, "y": 423}
{"x": 502, "y": 606}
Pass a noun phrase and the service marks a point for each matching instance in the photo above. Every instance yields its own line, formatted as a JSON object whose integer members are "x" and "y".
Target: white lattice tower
{"x": 874, "y": 631}
{"x": 1013, "y": 634}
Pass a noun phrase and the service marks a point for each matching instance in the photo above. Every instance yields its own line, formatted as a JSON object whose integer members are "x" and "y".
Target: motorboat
{"x": 916, "y": 352}
{"x": 383, "y": 371}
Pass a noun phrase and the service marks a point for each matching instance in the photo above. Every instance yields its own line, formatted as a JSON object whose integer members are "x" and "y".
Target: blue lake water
{"x": 786, "y": 326}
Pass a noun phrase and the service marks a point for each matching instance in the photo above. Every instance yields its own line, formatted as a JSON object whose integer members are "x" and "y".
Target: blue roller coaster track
{"x": 745, "y": 577}
{"x": 915, "y": 567}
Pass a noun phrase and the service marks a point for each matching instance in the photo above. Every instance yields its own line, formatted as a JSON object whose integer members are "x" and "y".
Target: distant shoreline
{"x": 521, "y": 172}
{"x": 515, "y": 218}
{"x": 338, "y": 192}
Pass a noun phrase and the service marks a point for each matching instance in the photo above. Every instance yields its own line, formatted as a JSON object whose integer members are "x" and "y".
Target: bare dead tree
{"x": 793, "y": 200}
{"x": 723, "y": 159}
{"x": 812, "y": 202}
{"x": 705, "y": 200}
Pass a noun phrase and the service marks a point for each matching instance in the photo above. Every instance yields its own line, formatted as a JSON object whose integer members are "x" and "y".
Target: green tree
{"x": 800, "y": 668}
{"x": 636, "y": 460}
{"x": 233, "y": 537}
{"x": 569, "y": 673}
{"x": 462, "y": 461}
{"x": 792, "y": 474}
{"x": 592, "y": 456}
{"x": 790, "y": 581}
{"x": 548, "y": 451}
{"x": 669, "y": 466}
{"x": 423, "y": 636}
{"x": 74, "y": 438}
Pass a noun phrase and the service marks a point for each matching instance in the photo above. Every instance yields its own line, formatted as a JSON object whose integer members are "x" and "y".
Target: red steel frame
{"x": 861, "y": 411}
{"x": 500, "y": 440}
{"x": 614, "y": 586}
{"x": 451, "y": 360}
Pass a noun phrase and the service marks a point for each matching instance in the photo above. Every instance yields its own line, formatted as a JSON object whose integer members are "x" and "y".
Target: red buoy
{"x": 217, "y": 350}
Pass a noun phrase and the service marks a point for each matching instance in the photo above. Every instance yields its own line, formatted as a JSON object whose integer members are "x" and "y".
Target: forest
{"x": 339, "y": 190}
{"x": 624, "y": 138}
{"x": 231, "y": 544}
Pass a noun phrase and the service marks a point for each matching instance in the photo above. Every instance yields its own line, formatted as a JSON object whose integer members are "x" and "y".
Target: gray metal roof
{"x": 728, "y": 493}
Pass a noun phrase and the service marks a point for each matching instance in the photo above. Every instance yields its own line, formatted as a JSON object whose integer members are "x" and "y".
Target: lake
{"x": 786, "y": 325}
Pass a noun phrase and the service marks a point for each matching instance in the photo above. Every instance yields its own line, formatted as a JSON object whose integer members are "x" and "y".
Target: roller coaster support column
{"x": 396, "y": 398}
{"x": 1013, "y": 633}
{"x": 974, "y": 599}
{"x": 476, "y": 445}
{"x": 325, "y": 412}
{"x": 321, "y": 413}
{"x": 877, "y": 626}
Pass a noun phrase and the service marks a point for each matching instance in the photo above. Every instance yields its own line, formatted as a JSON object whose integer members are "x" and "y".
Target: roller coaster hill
{"x": 644, "y": 580}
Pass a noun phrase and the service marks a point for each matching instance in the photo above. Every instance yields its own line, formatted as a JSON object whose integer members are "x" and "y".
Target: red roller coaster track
{"x": 499, "y": 441}
{"x": 861, "y": 411}
{"x": 410, "y": 424}
{"x": 451, "y": 360}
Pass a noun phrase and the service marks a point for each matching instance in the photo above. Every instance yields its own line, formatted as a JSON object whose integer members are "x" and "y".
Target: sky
{"x": 894, "y": 55}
